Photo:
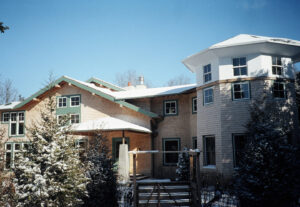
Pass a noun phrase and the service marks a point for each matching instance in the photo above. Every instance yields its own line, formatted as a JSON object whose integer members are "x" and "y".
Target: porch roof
{"x": 108, "y": 124}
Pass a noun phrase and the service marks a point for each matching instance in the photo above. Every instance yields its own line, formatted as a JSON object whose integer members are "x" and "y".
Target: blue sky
{"x": 98, "y": 38}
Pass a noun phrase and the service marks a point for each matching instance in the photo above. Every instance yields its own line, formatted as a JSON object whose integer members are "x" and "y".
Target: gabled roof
{"x": 153, "y": 92}
{"x": 104, "y": 83}
{"x": 108, "y": 124}
{"x": 103, "y": 92}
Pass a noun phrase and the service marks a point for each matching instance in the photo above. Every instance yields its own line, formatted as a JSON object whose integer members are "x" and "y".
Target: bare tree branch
{"x": 179, "y": 80}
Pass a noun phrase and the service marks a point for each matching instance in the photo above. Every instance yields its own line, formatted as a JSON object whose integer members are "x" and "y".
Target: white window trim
{"x": 71, "y": 101}
{"x": 62, "y": 97}
{"x": 17, "y": 124}
{"x": 281, "y": 66}
{"x": 71, "y": 118}
{"x": 240, "y": 99}
{"x": 207, "y": 74}
{"x": 193, "y": 105}
{"x": 240, "y": 66}
{"x": 165, "y": 107}
{"x": 204, "y": 103}
{"x": 3, "y": 117}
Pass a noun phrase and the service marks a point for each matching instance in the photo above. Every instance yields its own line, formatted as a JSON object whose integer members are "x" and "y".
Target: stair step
{"x": 165, "y": 201}
{"x": 165, "y": 194}
{"x": 165, "y": 187}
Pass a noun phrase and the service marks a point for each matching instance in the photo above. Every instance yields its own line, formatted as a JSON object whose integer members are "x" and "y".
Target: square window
{"x": 62, "y": 102}
{"x": 5, "y": 117}
{"x": 207, "y": 73}
{"x": 239, "y": 66}
{"x": 194, "y": 105}
{"x": 75, "y": 101}
{"x": 74, "y": 118}
{"x": 170, "y": 107}
{"x": 208, "y": 96}
{"x": 241, "y": 91}
{"x": 171, "y": 145}
{"x": 209, "y": 150}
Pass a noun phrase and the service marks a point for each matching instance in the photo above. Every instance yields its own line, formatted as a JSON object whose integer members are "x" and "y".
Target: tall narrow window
{"x": 239, "y": 143}
{"x": 277, "y": 67}
{"x": 207, "y": 73}
{"x": 241, "y": 90}
{"x": 194, "y": 105}
{"x": 208, "y": 95}
{"x": 170, "y": 107}
{"x": 8, "y": 155}
{"x": 21, "y": 123}
{"x": 62, "y": 102}
{"x": 171, "y": 144}
{"x": 209, "y": 150}
{"x": 13, "y": 123}
{"x": 239, "y": 66}
{"x": 278, "y": 89}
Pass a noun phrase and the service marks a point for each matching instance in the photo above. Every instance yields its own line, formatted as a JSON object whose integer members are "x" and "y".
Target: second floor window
{"x": 62, "y": 102}
{"x": 207, "y": 73}
{"x": 239, "y": 66}
{"x": 170, "y": 107}
{"x": 75, "y": 101}
{"x": 194, "y": 105}
{"x": 208, "y": 96}
{"x": 277, "y": 68}
{"x": 241, "y": 91}
{"x": 16, "y": 122}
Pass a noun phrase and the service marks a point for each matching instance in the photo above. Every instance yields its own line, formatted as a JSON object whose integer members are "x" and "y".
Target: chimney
{"x": 129, "y": 84}
{"x": 141, "y": 80}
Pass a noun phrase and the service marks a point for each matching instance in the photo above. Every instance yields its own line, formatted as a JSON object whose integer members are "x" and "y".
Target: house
{"x": 209, "y": 115}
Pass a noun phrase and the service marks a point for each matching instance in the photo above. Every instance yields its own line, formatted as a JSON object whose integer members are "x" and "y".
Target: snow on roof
{"x": 108, "y": 124}
{"x": 244, "y": 39}
{"x": 105, "y": 83}
{"x": 151, "y": 92}
{"x": 9, "y": 105}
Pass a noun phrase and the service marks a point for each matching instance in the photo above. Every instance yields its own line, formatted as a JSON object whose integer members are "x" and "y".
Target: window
{"x": 171, "y": 144}
{"x": 208, "y": 95}
{"x": 62, "y": 102}
{"x": 241, "y": 91}
{"x": 11, "y": 152}
{"x": 278, "y": 89}
{"x": 239, "y": 66}
{"x": 5, "y": 117}
{"x": 194, "y": 142}
{"x": 170, "y": 107}
{"x": 239, "y": 143}
{"x": 207, "y": 73}
{"x": 75, "y": 101}
{"x": 16, "y": 122}
{"x": 82, "y": 148}
{"x": 194, "y": 105}
{"x": 74, "y": 118}
{"x": 209, "y": 150}
{"x": 277, "y": 67}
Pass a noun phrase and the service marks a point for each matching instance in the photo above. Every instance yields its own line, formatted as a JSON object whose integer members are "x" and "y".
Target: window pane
{"x": 21, "y": 128}
{"x": 13, "y": 116}
{"x": 279, "y": 71}
{"x": 236, "y": 87}
{"x": 8, "y": 160}
{"x": 13, "y": 128}
{"x": 21, "y": 116}
{"x": 278, "y": 62}
{"x": 274, "y": 70}
{"x": 242, "y": 61}
{"x": 237, "y": 95}
{"x": 6, "y": 117}
{"x": 235, "y": 61}
{"x": 17, "y": 146}
{"x": 74, "y": 118}
{"x": 244, "y": 71}
{"x": 273, "y": 60}
{"x": 209, "y": 149}
{"x": 8, "y": 147}
{"x": 236, "y": 71}
{"x": 26, "y": 146}
{"x": 171, "y": 145}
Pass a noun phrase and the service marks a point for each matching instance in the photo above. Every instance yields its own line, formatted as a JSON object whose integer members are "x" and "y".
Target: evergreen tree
{"x": 50, "y": 173}
{"x": 183, "y": 166}
{"x": 268, "y": 174}
{"x": 102, "y": 188}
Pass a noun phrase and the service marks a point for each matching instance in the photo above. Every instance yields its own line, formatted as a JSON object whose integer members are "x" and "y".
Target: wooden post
{"x": 198, "y": 177}
{"x": 134, "y": 182}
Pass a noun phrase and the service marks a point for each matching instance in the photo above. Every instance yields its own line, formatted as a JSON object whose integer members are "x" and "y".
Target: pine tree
{"x": 183, "y": 166}
{"x": 50, "y": 173}
{"x": 268, "y": 174}
{"x": 102, "y": 188}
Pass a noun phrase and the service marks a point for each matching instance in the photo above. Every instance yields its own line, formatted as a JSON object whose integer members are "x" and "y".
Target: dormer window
{"x": 207, "y": 73}
{"x": 239, "y": 66}
{"x": 277, "y": 67}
